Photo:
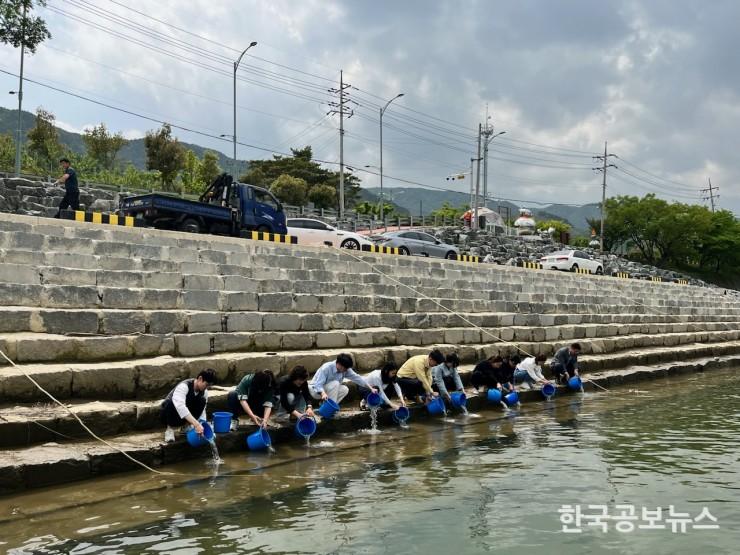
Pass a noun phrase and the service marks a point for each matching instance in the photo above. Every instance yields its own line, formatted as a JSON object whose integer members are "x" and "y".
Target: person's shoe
{"x": 169, "y": 435}
{"x": 363, "y": 404}
{"x": 234, "y": 425}
{"x": 525, "y": 385}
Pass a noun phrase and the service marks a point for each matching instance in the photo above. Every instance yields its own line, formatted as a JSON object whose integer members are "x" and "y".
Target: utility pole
{"x": 18, "y": 143}
{"x": 236, "y": 67}
{"x": 710, "y": 196}
{"x": 382, "y": 111}
{"x": 602, "y": 169}
{"x": 477, "y": 179}
{"x": 340, "y": 108}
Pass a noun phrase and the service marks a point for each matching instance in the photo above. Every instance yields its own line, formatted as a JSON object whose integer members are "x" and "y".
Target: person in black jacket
{"x": 295, "y": 399}
{"x": 71, "y": 189}
{"x": 505, "y": 374}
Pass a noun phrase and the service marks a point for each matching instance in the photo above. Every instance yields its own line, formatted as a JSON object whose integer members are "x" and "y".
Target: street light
{"x": 382, "y": 111}
{"x": 236, "y": 66}
{"x": 485, "y": 166}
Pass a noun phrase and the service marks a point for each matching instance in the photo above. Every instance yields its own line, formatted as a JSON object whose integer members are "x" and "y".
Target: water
{"x": 473, "y": 486}
{"x": 217, "y": 460}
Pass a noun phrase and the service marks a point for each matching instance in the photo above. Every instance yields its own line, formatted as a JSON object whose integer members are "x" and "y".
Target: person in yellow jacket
{"x": 415, "y": 376}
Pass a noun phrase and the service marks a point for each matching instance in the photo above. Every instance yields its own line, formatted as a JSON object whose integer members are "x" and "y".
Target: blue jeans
{"x": 521, "y": 376}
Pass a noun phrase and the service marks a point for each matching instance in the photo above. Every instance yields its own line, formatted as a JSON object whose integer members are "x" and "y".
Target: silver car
{"x": 417, "y": 243}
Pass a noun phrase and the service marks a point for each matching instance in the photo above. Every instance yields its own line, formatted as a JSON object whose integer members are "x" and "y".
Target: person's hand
{"x": 374, "y": 390}
{"x": 498, "y": 386}
{"x": 324, "y": 396}
{"x": 257, "y": 420}
{"x": 394, "y": 407}
{"x": 309, "y": 412}
{"x": 198, "y": 427}
{"x": 449, "y": 398}
{"x": 435, "y": 394}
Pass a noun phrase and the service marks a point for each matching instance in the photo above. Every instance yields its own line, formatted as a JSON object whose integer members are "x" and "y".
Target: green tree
{"x": 301, "y": 164}
{"x": 580, "y": 242}
{"x": 558, "y": 225}
{"x": 323, "y": 196}
{"x": 290, "y": 190}
{"x": 164, "y": 154}
{"x": 43, "y": 141}
{"x": 373, "y": 209}
{"x": 449, "y": 212}
{"x": 209, "y": 169}
{"x": 7, "y": 152}
{"x": 103, "y": 146}
{"x": 720, "y": 249}
{"x": 190, "y": 172}
{"x": 18, "y": 24}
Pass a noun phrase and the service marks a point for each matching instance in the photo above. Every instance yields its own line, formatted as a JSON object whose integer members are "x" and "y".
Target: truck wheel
{"x": 190, "y": 225}
{"x": 351, "y": 244}
{"x": 264, "y": 229}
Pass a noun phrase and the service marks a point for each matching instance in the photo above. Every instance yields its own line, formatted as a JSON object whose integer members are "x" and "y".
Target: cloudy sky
{"x": 658, "y": 80}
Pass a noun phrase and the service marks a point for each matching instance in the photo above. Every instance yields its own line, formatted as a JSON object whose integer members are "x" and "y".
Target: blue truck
{"x": 225, "y": 208}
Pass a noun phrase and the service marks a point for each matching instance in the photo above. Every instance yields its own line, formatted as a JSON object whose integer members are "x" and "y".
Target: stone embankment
{"x": 109, "y": 319}
{"x": 38, "y": 198}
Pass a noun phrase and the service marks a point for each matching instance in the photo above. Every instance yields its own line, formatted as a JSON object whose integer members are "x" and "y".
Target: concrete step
{"x": 146, "y": 377}
{"x": 66, "y": 460}
{"x": 25, "y": 347}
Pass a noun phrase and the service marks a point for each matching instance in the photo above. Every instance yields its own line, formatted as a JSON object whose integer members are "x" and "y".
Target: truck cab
{"x": 260, "y": 210}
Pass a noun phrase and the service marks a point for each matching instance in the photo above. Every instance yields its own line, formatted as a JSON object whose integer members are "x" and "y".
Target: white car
{"x": 571, "y": 260}
{"x": 318, "y": 233}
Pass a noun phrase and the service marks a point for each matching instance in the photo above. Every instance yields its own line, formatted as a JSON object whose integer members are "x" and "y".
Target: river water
{"x": 477, "y": 484}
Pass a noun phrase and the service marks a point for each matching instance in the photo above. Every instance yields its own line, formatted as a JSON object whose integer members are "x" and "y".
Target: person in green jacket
{"x": 255, "y": 396}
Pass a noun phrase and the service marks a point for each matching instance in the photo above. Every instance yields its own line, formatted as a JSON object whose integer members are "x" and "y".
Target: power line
{"x": 676, "y": 183}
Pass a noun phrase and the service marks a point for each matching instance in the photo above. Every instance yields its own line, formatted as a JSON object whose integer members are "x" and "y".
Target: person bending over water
{"x": 415, "y": 376}
{"x": 445, "y": 377}
{"x": 495, "y": 372}
{"x": 254, "y": 396}
{"x": 327, "y": 381}
{"x": 295, "y": 400}
{"x": 386, "y": 382}
{"x": 188, "y": 399}
{"x": 564, "y": 364}
{"x": 528, "y": 372}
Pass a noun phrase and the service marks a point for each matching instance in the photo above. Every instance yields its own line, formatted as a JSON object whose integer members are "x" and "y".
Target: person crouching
{"x": 186, "y": 404}
{"x": 386, "y": 381}
{"x": 327, "y": 380}
{"x": 254, "y": 396}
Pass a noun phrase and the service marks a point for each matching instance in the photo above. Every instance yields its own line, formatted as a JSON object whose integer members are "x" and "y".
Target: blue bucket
{"x": 575, "y": 383}
{"x": 548, "y": 390}
{"x": 436, "y": 406}
{"x": 401, "y": 415}
{"x": 512, "y": 398}
{"x": 305, "y": 427}
{"x": 328, "y": 409}
{"x": 373, "y": 400}
{"x": 458, "y": 399}
{"x": 494, "y": 396}
{"x": 259, "y": 440}
{"x": 222, "y": 422}
{"x": 197, "y": 441}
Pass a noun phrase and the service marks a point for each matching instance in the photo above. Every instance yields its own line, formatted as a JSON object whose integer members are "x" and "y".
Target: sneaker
{"x": 169, "y": 435}
{"x": 363, "y": 404}
{"x": 234, "y": 425}
{"x": 525, "y": 385}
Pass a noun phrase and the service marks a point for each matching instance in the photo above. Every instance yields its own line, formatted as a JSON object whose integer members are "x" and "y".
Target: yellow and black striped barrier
{"x": 682, "y": 281}
{"x": 530, "y": 265}
{"x": 273, "y": 237}
{"x": 656, "y": 279}
{"x": 466, "y": 258}
{"x": 380, "y": 249}
{"x": 622, "y": 275}
{"x": 99, "y": 218}
{"x": 581, "y": 271}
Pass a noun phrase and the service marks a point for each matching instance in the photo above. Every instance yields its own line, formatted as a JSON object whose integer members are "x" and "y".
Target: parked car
{"x": 571, "y": 260}
{"x": 417, "y": 243}
{"x": 316, "y": 232}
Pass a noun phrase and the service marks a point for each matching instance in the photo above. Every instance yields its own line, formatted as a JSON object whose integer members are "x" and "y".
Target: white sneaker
{"x": 234, "y": 425}
{"x": 525, "y": 385}
{"x": 169, "y": 435}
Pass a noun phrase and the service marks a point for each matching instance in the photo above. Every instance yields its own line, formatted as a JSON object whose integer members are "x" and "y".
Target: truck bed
{"x": 140, "y": 203}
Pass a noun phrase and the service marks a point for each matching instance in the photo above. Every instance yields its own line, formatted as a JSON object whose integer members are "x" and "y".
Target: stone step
{"x": 64, "y": 460}
{"x": 146, "y": 377}
{"x": 72, "y": 296}
{"x": 25, "y": 347}
{"x": 161, "y": 322}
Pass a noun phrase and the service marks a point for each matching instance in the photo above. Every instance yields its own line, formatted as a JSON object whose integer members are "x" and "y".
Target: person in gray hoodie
{"x": 564, "y": 364}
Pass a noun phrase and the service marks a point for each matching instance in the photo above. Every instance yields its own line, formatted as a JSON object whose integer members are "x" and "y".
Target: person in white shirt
{"x": 326, "y": 382}
{"x": 386, "y": 382}
{"x": 186, "y": 403}
{"x": 528, "y": 372}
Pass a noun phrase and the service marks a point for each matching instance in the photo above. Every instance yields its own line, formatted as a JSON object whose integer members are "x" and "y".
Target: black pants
{"x": 449, "y": 384}
{"x": 558, "y": 370}
{"x": 411, "y": 387}
{"x": 482, "y": 379}
{"x": 168, "y": 414}
{"x": 236, "y": 408}
{"x": 71, "y": 200}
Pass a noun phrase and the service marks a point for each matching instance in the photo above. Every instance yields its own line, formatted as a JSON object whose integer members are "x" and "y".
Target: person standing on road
{"x": 327, "y": 381}
{"x": 564, "y": 364}
{"x": 186, "y": 404}
{"x": 71, "y": 190}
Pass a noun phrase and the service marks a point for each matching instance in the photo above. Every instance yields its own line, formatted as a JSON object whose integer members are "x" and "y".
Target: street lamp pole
{"x": 382, "y": 111}
{"x": 18, "y": 144}
{"x": 236, "y": 66}
{"x": 485, "y": 165}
